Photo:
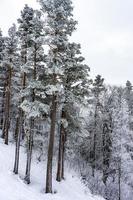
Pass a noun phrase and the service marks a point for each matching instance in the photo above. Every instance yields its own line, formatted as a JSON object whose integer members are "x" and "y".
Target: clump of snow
{"x": 34, "y": 109}
{"x": 12, "y": 186}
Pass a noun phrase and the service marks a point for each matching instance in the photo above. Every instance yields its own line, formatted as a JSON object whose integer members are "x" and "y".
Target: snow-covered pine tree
{"x": 128, "y": 94}
{"x": 2, "y": 45}
{"x": 24, "y": 30}
{"x": 59, "y": 25}
{"x": 76, "y": 88}
{"x": 97, "y": 90}
{"x": 107, "y": 128}
{"x": 33, "y": 92}
{"x": 2, "y": 79}
{"x": 121, "y": 140}
{"x": 11, "y": 63}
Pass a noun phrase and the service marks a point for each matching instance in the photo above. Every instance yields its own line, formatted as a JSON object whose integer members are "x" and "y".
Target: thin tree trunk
{"x": 29, "y": 152}
{"x": 94, "y": 144}
{"x": 3, "y": 129}
{"x": 51, "y": 145}
{"x": 7, "y": 107}
{"x": 22, "y": 113}
{"x": 16, "y": 128}
{"x": 17, "y": 149}
{"x": 64, "y": 138}
{"x": 94, "y": 155}
{"x": 105, "y": 128}
{"x": 19, "y": 131}
{"x": 59, "y": 167}
{"x": 106, "y": 150}
{"x": 2, "y": 110}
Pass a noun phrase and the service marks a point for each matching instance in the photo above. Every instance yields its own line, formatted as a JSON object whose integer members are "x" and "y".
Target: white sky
{"x": 105, "y": 31}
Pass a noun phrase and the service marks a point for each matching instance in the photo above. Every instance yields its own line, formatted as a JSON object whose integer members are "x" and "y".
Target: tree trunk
{"x": 2, "y": 110}
{"x": 7, "y": 107}
{"x": 106, "y": 150}
{"x": 19, "y": 131}
{"x": 94, "y": 154}
{"x": 51, "y": 145}
{"x": 29, "y": 151}
{"x": 64, "y": 138}
{"x": 22, "y": 113}
{"x": 16, "y": 128}
{"x": 59, "y": 167}
{"x": 105, "y": 129}
{"x": 18, "y": 138}
{"x": 94, "y": 144}
{"x": 18, "y": 134}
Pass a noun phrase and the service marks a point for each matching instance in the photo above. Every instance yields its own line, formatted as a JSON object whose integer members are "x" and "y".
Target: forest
{"x": 52, "y": 107}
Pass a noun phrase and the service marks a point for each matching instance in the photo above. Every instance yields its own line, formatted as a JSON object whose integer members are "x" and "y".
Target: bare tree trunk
{"x": 64, "y": 138}
{"x": 2, "y": 110}
{"x": 7, "y": 107}
{"x": 104, "y": 133}
{"x": 62, "y": 141}
{"x": 18, "y": 134}
{"x": 94, "y": 155}
{"x": 29, "y": 151}
{"x": 16, "y": 128}
{"x": 51, "y": 145}
{"x": 106, "y": 150}
{"x": 17, "y": 149}
{"x": 3, "y": 129}
{"x": 59, "y": 167}
{"x": 19, "y": 131}
{"x": 94, "y": 144}
{"x": 22, "y": 113}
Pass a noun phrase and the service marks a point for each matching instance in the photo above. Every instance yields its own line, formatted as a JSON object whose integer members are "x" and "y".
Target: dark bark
{"x": 22, "y": 113}
{"x": 5, "y": 131}
{"x": 19, "y": 131}
{"x": 106, "y": 150}
{"x": 105, "y": 132}
{"x": 94, "y": 155}
{"x": 62, "y": 141}
{"x": 94, "y": 141}
{"x": 59, "y": 167}
{"x": 2, "y": 110}
{"x": 16, "y": 128}
{"x": 29, "y": 151}
{"x": 18, "y": 139}
{"x": 51, "y": 145}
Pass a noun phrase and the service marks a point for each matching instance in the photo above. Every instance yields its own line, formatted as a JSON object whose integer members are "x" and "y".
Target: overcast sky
{"x": 105, "y": 31}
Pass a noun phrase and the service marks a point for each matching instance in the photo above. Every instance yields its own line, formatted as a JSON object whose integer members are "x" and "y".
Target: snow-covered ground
{"x": 12, "y": 186}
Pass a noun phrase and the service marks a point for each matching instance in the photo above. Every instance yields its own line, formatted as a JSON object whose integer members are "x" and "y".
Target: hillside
{"x": 12, "y": 186}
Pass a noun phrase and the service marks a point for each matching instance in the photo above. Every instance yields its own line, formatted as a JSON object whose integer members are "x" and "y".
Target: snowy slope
{"x": 12, "y": 186}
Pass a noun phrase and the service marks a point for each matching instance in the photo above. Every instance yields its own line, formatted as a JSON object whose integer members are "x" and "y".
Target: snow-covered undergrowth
{"x": 12, "y": 186}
